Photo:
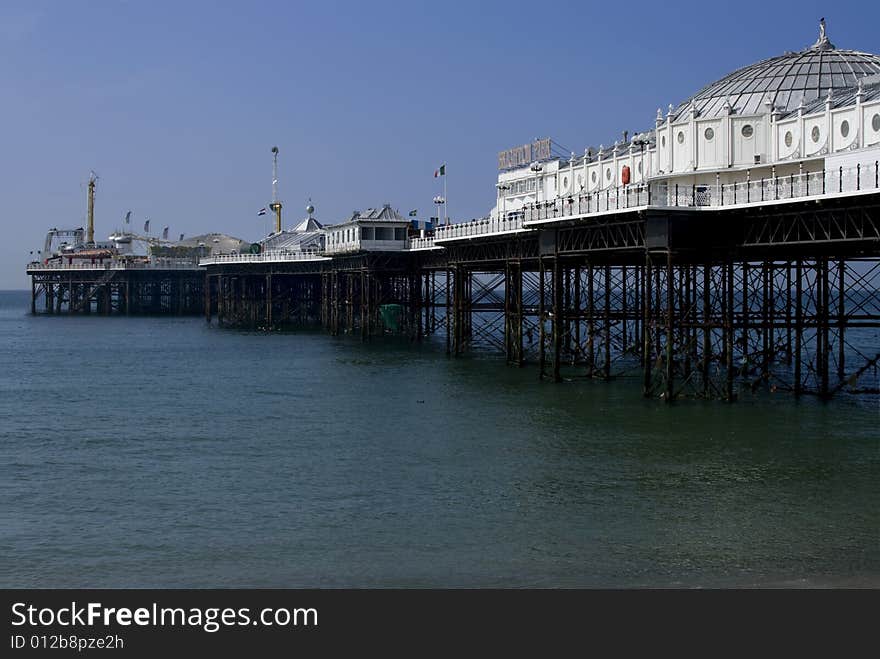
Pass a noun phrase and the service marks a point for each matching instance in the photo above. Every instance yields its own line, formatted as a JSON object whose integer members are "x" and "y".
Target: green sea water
{"x": 164, "y": 452}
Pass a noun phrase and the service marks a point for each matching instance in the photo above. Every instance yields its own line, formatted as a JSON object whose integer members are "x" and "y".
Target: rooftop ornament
{"x": 822, "y": 43}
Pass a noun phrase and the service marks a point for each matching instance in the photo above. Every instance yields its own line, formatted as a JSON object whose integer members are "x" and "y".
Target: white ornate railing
{"x": 481, "y": 227}
{"x": 161, "y": 264}
{"x": 864, "y": 177}
{"x": 610, "y": 199}
{"x": 662, "y": 194}
{"x": 271, "y": 256}
{"x": 420, "y": 243}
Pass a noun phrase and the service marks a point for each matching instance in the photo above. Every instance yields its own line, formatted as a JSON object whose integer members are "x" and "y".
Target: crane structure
{"x": 275, "y": 206}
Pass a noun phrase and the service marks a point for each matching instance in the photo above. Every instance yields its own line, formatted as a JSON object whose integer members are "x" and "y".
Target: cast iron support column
{"x": 798, "y": 326}
{"x": 542, "y": 292}
{"x": 707, "y": 330}
{"x": 269, "y": 318}
{"x": 729, "y": 327}
{"x": 670, "y": 328}
{"x": 646, "y": 325}
{"x": 558, "y": 319}
{"x": 841, "y": 319}
{"x": 606, "y": 314}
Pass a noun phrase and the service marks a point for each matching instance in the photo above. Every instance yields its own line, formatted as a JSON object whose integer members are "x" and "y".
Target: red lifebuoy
{"x": 624, "y": 175}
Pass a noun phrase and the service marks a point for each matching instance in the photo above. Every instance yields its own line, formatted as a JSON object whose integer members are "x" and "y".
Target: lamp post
{"x": 439, "y": 201}
{"x": 537, "y": 168}
{"x": 502, "y": 188}
{"x": 642, "y": 140}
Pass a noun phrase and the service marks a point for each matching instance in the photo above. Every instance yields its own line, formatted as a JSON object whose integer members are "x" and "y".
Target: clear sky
{"x": 176, "y": 104}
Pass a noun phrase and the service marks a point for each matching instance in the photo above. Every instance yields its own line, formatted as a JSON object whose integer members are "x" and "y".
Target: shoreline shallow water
{"x": 161, "y": 452}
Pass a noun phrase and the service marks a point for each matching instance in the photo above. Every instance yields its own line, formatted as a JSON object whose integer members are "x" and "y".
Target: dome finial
{"x": 822, "y": 43}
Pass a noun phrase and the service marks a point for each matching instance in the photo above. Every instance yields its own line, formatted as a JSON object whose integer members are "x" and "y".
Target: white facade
{"x": 380, "y": 230}
{"x": 755, "y": 124}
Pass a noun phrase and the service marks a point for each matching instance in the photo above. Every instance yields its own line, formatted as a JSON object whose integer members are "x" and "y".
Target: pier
{"x": 767, "y": 283}
{"x": 734, "y": 246}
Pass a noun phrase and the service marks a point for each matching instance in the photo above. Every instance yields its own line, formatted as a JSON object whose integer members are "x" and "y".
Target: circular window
{"x": 680, "y": 137}
{"x": 814, "y": 134}
{"x": 844, "y": 128}
{"x": 875, "y": 123}
{"x": 788, "y": 138}
{"x": 709, "y": 134}
{"x": 608, "y": 174}
{"x": 593, "y": 177}
{"x": 565, "y": 183}
{"x": 581, "y": 180}
{"x": 747, "y": 130}
{"x": 663, "y": 140}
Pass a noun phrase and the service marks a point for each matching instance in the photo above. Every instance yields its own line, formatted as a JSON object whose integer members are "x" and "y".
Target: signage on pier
{"x": 523, "y": 155}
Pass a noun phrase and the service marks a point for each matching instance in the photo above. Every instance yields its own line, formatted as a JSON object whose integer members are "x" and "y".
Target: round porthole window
{"x": 788, "y": 138}
{"x": 844, "y": 128}
{"x": 581, "y": 180}
{"x": 565, "y": 183}
{"x": 875, "y": 123}
{"x": 815, "y": 134}
{"x": 747, "y": 130}
{"x": 593, "y": 177}
{"x": 709, "y": 134}
{"x": 680, "y": 137}
{"x": 607, "y": 174}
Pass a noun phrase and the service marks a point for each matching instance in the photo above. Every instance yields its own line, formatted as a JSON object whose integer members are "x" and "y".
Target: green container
{"x": 391, "y": 315}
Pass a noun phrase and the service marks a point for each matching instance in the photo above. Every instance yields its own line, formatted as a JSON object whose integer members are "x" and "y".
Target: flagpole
{"x": 445, "y": 200}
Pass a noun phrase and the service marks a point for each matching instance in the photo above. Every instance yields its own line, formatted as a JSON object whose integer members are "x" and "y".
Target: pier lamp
{"x": 642, "y": 140}
{"x": 537, "y": 168}
{"x": 439, "y": 201}
{"x": 502, "y": 188}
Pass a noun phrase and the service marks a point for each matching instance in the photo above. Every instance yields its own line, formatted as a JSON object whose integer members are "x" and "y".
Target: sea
{"x": 169, "y": 453}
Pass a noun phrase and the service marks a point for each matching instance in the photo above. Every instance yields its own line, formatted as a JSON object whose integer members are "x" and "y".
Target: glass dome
{"x": 786, "y": 80}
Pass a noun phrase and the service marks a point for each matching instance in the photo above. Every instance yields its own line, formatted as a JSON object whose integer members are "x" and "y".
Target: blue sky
{"x": 176, "y": 104}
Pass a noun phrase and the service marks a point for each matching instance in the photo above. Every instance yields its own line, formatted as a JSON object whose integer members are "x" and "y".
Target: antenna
{"x": 275, "y": 205}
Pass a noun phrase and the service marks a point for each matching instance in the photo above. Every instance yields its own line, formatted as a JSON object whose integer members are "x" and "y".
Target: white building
{"x": 375, "y": 229}
{"x": 815, "y": 110}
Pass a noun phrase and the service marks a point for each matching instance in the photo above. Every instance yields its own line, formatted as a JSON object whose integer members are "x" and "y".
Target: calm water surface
{"x": 163, "y": 452}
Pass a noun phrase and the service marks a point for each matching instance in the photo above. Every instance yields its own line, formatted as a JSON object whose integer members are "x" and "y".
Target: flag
{"x": 413, "y": 213}
{"x": 147, "y": 226}
{"x": 262, "y": 211}
{"x": 440, "y": 172}
{"x": 165, "y": 233}
{"x": 127, "y": 217}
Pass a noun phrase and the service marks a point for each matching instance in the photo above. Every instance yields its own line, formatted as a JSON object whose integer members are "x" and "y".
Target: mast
{"x": 90, "y": 231}
{"x": 276, "y": 204}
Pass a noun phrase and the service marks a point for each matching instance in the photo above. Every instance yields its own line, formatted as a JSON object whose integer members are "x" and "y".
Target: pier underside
{"x": 117, "y": 292}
